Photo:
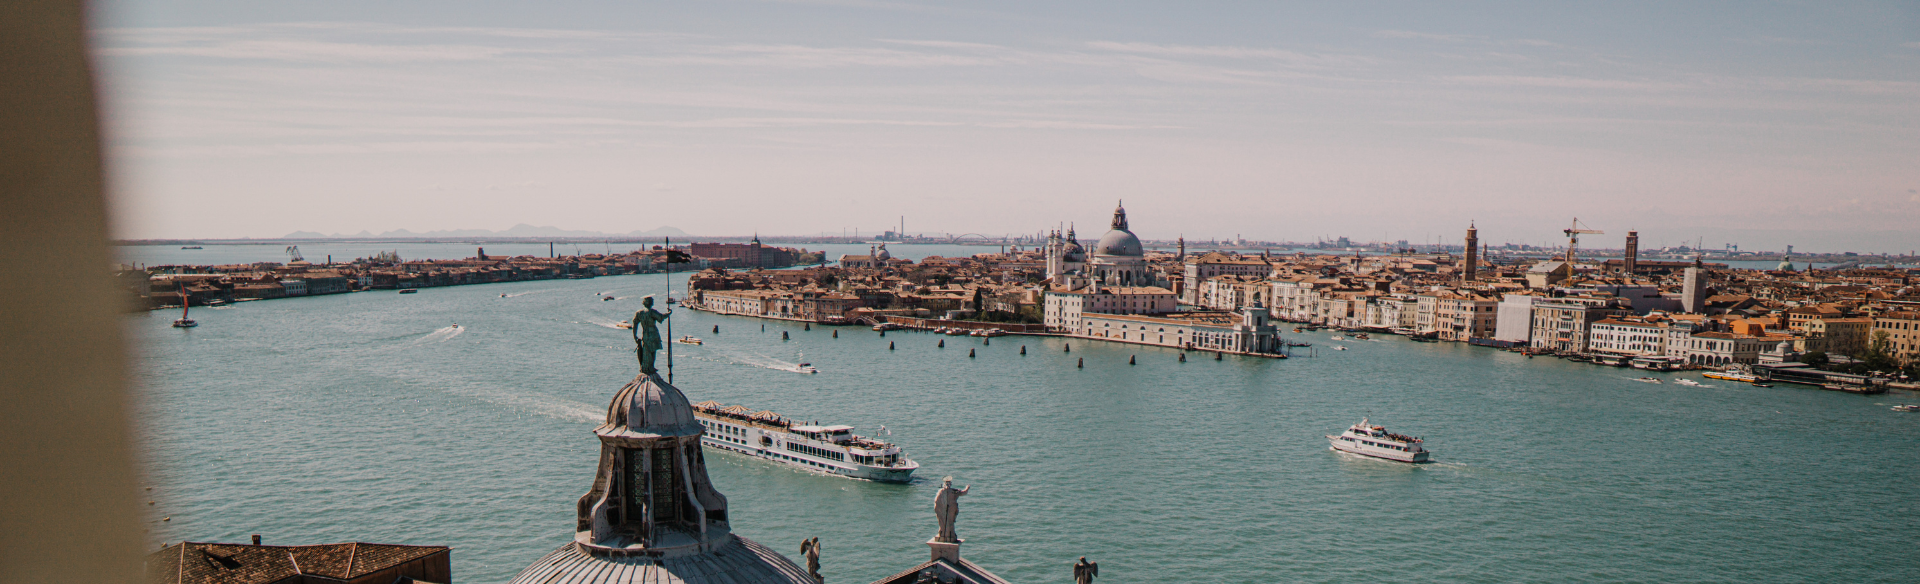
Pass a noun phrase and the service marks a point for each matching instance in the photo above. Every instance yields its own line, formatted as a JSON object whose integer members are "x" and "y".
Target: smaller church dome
{"x": 646, "y": 406}
{"x": 883, "y": 254}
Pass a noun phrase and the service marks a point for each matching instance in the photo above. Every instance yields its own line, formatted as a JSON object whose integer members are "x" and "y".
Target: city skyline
{"x": 1764, "y": 126}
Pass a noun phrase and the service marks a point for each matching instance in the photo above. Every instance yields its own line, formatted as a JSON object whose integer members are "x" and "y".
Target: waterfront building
{"x": 1248, "y": 331}
{"x": 1213, "y": 264}
{"x": 1513, "y": 318}
{"x": 1719, "y": 348}
{"x": 1064, "y": 306}
{"x": 1846, "y": 336}
{"x": 193, "y": 562}
{"x": 1464, "y": 316}
{"x": 1230, "y": 292}
{"x": 1562, "y": 324}
{"x": 651, "y": 514}
{"x": 1903, "y": 334}
{"x": 1631, "y": 336}
{"x": 745, "y": 255}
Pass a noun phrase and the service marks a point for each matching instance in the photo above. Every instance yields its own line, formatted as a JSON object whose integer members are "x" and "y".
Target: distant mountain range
{"x": 521, "y": 230}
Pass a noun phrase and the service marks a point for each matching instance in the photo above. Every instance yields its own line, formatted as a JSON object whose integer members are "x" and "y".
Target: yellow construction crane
{"x": 1573, "y": 241}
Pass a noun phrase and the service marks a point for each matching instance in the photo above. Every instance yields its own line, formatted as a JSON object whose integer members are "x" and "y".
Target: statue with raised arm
{"x": 646, "y": 333}
{"x": 1084, "y": 571}
{"x": 946, "y": 505}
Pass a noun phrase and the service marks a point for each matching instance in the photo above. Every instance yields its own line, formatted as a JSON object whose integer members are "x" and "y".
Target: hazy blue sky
{"x": 1759, "y": 123}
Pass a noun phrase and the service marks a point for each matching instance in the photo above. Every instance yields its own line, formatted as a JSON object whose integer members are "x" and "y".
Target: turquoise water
{"x": 365, "y": 417}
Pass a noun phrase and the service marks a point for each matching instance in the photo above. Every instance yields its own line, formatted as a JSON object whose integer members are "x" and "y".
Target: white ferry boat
{"x": 1369, "y": 440}
{"x": 833, "y": 449}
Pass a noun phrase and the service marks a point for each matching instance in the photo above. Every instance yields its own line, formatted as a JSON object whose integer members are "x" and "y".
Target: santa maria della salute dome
{"x": 1118, "y": 258}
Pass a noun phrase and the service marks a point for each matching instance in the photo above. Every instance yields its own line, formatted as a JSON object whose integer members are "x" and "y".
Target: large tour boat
{"x": 1368, "y": 440}
{"x": 832, "y": 449}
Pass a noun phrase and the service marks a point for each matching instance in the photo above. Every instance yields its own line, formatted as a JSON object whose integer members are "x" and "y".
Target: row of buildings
{"x": 1681, "y": 312}
{"x": 218, "y": 284}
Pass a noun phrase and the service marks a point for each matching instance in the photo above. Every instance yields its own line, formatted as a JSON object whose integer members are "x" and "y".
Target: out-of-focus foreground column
{"x": 68, "y": 498}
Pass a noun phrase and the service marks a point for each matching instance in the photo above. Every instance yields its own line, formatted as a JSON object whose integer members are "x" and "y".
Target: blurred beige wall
{"x": 68, "y": 497}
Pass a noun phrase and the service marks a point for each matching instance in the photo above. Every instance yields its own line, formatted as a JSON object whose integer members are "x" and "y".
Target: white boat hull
{"x": 895, "y": 474}
{"x": 1357, "y": 447}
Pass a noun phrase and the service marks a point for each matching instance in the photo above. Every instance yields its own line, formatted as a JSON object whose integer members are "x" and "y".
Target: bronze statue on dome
{"x": 646, "y": 333}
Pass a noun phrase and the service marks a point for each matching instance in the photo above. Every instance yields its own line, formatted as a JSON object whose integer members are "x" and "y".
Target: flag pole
{"x": 669, "y": 299}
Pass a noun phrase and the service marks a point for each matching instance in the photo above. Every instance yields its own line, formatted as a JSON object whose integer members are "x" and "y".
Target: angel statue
{"x": 811, "y": 549}
{"x": 646, "y": 333}
{"x": 1084, "y": 571}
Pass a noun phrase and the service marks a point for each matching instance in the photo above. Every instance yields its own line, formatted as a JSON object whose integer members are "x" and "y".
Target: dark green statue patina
{"x": 646, "y": 333}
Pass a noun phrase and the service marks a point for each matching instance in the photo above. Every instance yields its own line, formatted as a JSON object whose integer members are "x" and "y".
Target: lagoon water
{"x": 366, "y": 417}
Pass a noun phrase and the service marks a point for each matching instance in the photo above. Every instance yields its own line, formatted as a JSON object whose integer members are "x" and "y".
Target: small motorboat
{"x": 1339, "y": 338}
{"x": 456, "y": 326}
{"x": 805, "y": 368}
{"x": 1648, "y": 380}
{"x": 1759, "y": 384}
{"x": 1363, "y": 337}
{"x": 1339, "y": 348}
{"x": 503, "y": 295}
{"x": 1689, "y": 383}
{"x": 684, "y": 340}
{"x": 409, "y": 291}
{"x": 1907, "y": 408}
{"x": 623, "y": 325}
{"x": 606, "y": 299}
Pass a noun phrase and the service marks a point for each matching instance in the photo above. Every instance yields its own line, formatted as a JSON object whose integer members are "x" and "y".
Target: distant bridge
{"x": 974, "y": 238}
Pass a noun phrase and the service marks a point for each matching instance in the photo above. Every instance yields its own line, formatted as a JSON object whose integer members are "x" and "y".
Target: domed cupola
{"x": 1119, "y": 241}
{"x": 651, "y": 514}
{"x": 646, "y": 409}
{"x": 1073, "y": 252}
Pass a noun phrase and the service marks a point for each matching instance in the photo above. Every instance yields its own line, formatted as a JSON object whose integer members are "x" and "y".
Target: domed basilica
{"x": 1118, "y": 259}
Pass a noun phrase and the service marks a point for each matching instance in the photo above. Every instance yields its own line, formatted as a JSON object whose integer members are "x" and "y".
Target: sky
{"x": 1761, "y": 124}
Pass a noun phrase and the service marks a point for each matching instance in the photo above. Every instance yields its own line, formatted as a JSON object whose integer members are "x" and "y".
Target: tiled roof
{"x": 737, "y": 560}
{"x": 220, "y": 563}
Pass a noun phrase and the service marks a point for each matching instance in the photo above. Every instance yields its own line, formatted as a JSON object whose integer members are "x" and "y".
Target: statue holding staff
{"x": 946, "y": 505}
{"x": 646, "y": 333}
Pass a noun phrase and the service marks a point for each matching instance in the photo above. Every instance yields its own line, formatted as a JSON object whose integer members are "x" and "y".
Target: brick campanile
{"x": 1473, "y": 252}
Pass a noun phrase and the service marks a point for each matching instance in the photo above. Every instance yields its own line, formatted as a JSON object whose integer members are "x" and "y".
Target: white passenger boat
{"x": 1907, "y": 408}
{"x": 1369, "y": 440}
{"x": 832, "y": 449}
{"x": 804, "y": 368}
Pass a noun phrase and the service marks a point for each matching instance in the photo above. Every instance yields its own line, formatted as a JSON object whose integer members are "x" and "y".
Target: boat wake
{"x": 755, "y": 360}
{"x": 541, "y": 405}
{"x": 519, "y": 294}
{"x": 612, "y": 324}
{"x": 441, "y": 335}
